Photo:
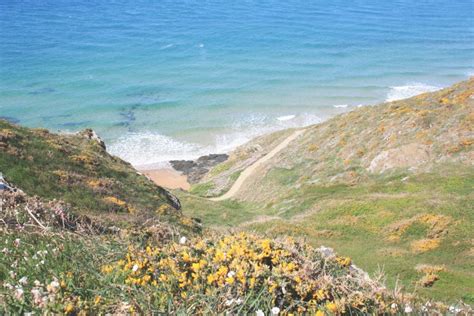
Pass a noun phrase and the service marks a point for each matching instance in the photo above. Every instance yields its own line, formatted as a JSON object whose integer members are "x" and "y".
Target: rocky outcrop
{"x": 92, "y": 135}
{"x": 196, "y": 169}
{"x": 172, "y": 199}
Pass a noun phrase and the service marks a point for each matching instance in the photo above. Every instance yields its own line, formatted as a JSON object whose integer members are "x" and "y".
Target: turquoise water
{"x": 176, "y": 79}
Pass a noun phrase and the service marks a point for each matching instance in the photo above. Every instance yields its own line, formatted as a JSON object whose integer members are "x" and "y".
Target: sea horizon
{"x": 169, "y": 80}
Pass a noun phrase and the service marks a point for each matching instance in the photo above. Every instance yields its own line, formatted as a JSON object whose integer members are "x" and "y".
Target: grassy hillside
{"x": 89, "y": 235}
{"x": 77, "y": 169}
{"x": 55, "y": 263}
{"x": 390, "y": 185}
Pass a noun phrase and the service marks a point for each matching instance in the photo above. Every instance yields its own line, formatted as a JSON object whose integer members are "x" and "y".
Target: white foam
{"x": 148, "y": 148}
{"x": 285, "y": 118}
{"x": 408, "y": 91}
{"x": 166, "y": 46}
{"x": 156, "y": 150}
{"x": 343, "y": 106}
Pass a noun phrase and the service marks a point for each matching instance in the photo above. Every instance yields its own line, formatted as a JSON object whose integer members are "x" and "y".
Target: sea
{"x": 176, "y": 79}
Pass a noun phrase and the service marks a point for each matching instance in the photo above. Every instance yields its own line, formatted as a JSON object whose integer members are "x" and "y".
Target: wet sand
{"x": 168, "y": 178}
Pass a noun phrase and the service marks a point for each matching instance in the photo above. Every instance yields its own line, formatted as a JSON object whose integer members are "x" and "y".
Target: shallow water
{"x": 164, "y": 80}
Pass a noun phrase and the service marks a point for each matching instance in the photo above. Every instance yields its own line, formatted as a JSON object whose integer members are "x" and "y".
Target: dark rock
{"x": 45, "y": 90}
{"x": 173, "y": 200}
{"x": 196, "y": 169}
{"x": 76, "y": 124}
{"x": 10, "y": 119}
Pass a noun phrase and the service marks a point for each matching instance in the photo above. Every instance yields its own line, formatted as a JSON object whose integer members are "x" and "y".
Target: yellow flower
{"x": 185, "y": 256}
{"x": 344, "y": 261}
{"x": 252, "y": 282}
{"x": 219, "y": 256}
{"x": 107, "y": 269}
{"x": 319, "y": 313}
{"x": 69, "y": 308}
{"x": 332, "y": 307}
{"x": 97, "y": 299}
{"x": 211, "y": 278}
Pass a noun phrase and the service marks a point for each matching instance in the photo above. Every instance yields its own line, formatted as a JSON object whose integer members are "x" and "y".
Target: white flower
{"x": 37, "y": 297}
{"x": 16, "y": 243}
{"x": 408, "y": 309}
{"x": 134, "y": 268}
{"x": 231, "y": 274}
{"x": 182, "y": 240}
{"x": 259, "y": 313}
{"x": 12, "y": 274}
{"x": 238, "y": 301}
{"x": 451, "y": 309}
{"x": 42, "y": 261}
{"x": 393, "y": 306}
{"x": 8, "y": 286}
{"x": 53, "y": 286}
{"x": 37, "y": 283}
{"x": 229, "y": 302}
{"x": 23, "y": 280}
{"x": 275, "y": 311}
{"x": 19, "y": 293}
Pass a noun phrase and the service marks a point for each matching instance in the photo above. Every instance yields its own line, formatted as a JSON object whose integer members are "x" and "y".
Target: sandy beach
{"x": 168, "y": 178}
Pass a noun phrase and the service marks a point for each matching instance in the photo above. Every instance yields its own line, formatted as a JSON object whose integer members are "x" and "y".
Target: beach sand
{"x": 168, "y": 178}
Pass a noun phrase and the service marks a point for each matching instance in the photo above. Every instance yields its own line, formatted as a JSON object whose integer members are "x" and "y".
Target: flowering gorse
{"x": 241, "y": 268}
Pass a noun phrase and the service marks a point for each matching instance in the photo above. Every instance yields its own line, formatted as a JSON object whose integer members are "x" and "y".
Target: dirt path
{"x": 249, "y": 171}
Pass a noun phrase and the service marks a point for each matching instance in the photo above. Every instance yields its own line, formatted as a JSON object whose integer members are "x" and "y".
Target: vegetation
{"x": 346, "y": 183}
{"x": 47, "y": 269}
{"x": 77, "y": 169}
{"x": 89, "y": 235}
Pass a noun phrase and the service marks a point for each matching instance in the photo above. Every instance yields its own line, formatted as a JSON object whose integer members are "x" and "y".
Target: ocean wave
{"x": 285, "y": 118}
{"x": 343, "y": 106}
{"x": 408, "y": 91}
{"x": 149, "y": 148}
{"x": 156, "y": 150}
{"x": 166, "y": 46}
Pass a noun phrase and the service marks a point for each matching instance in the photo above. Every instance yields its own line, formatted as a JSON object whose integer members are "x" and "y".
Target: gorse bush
{"x": 234, "y": 273}
{"x": 245, "y": 273}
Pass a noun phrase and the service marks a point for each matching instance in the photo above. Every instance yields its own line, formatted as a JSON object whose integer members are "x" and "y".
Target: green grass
{"x": 354, "y": 220}
{"x": 63, "y": 167}
{"x": 220, "y": 168}
{"x": 201, "y": 189}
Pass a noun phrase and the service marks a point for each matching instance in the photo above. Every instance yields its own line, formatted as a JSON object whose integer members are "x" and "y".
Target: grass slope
{"x": 389, "y": 185}
{"x": 77, "y": 170}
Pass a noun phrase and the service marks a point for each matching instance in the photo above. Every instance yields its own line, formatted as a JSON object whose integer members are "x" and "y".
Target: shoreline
{"x": 179, "y": 174}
